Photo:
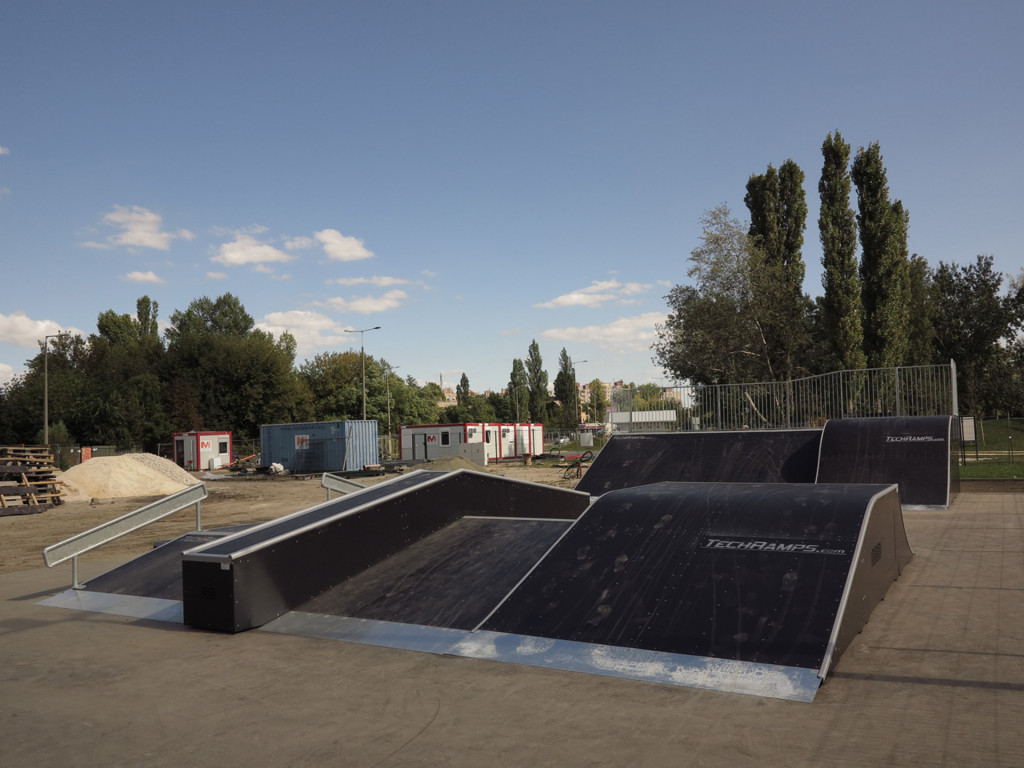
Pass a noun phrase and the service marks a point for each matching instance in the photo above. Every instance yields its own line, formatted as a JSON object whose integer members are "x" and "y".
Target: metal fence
{"x": 1000, "y": 440}
{"x": 927, "y": 390}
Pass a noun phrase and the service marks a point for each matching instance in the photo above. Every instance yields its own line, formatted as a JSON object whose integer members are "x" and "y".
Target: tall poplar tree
{"x": 519, "y": 390}
{"x": 837, "y": 228}
{"x": 778, "y": 216}
{"x": 537, "y": 378}
{"x": 885, "y": 266}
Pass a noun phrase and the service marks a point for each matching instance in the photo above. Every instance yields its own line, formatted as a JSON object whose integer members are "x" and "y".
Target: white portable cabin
{"x": 202, "y": 450}
{"x": 479, "y": 442}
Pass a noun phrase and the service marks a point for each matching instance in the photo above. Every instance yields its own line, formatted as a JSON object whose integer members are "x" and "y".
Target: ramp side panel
{"x": 731, "y": 571}
{"x": 751, "y": 456}
{"x": 918, "y": 453}
{"x": 452, "y": 578}
{"x": 883, "y": 553}
{"x": 268, "y": 580}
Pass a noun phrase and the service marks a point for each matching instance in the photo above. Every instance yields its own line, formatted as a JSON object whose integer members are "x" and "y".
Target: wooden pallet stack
{"x": 28, "y": 480}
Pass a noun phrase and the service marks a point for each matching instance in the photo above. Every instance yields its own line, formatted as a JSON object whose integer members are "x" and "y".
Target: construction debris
{"x": 28, "y": 480}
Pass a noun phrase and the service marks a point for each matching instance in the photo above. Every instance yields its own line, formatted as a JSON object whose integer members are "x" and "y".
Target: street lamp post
{"x": 515, "y": 394}
{"x": 387, "y": 392}
{"x": 362, "y": 357}
{"x": 46, "y": 383}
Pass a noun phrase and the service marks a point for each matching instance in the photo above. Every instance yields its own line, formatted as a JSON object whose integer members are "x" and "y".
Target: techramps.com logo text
{"x": 914, "y": 439}
{"x": 767, "y": 545}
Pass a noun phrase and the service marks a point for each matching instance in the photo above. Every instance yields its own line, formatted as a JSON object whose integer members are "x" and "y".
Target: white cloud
{"x": 20, "y": 330}
{"x": 217, "y": 275}
{"x": 142, "y": 277}
{"x": 365, "y": 305}
{"x": 299, "y": 243}
{"x": 6, "y": 373}
{"x": 4, "y": 150}
{"x": 339, "y": 247}
{"x": 140, "y": 228}
{"x": 627, "y": 334}
{"x": 312, "y": 330}
{"x": 379, "y": 280}
{"x": 246, "y": 249}
{"x": 596, "y": 294}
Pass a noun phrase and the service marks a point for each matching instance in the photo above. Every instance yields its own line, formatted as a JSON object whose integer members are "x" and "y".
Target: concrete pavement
{"x": 935, "y": 679}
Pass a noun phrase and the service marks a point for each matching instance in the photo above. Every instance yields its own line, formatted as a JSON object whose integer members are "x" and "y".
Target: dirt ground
{"x": 232, "y": 500}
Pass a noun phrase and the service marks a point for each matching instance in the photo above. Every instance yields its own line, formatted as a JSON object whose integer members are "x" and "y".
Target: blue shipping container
{"x": 320, "y": 446}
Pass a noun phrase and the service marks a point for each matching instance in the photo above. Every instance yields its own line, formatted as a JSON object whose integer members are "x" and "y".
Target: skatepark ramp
{"x": 749, "y": 456}
{"x": 750, "y": 588}
{"x": 918, "y": 453}
{"x": 746, "y": 588}
{"x": 246, "y": 580}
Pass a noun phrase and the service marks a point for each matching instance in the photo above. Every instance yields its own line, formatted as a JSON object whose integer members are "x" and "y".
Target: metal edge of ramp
{"x": 749, "y": 678}
{"x": 132, "y": 606}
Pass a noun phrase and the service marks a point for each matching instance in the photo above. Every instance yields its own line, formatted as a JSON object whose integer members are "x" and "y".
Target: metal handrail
{"x": 340, "y": 484}
{"x": 71, "y": 548}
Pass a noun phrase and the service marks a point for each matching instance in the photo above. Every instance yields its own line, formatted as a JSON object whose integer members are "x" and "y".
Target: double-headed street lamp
{"x": 362, "y": 357}
{"x": 46, "y": 383}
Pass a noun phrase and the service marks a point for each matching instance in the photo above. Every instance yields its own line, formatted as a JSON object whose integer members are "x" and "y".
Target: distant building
{"x": 478, "y": 442}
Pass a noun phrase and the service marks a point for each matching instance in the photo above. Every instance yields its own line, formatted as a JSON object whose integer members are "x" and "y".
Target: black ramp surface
{"x": 752, "y": 573}
{"x": 154, "y": 574}
{"x": 452, "y": 578}
{"x": 918, "y": 453}
{"x": 750, "y": 456}
{"x": 246, "y": 581}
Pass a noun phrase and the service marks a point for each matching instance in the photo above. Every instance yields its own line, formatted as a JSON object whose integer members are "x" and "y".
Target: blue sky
{"x": 468, "y": 175}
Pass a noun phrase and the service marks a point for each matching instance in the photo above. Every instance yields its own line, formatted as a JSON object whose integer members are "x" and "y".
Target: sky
{"x": 469, "y": 176}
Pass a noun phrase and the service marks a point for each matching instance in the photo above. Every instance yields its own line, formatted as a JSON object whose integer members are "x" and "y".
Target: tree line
{"x": 744, "y": 316}
{"x": 212, "y": 369}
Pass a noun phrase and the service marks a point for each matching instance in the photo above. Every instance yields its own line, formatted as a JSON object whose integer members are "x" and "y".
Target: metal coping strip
{"x": 830, "y": 648}
{"x": 534, "y": 567}
{"x": 198, "y": 554}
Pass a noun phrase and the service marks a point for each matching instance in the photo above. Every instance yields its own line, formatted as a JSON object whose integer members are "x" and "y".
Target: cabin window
{"x": 446, "y": 438}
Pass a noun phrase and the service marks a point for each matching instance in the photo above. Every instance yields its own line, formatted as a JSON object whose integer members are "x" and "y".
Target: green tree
{"x": 778, "y": 214}
{"x": 972, "y": 320}
{"x": 565, "y": 392}
{"x": 714, "y": 332}
{"x": 334, "y": 380}
{"x": 842, "y": 330}
{"x": 921, "y": 327}
{"x": 597, "y": 403}
{"x": 463, "y": 395}
{"x": 537, "y": 379}
{"x": 224, "y": 315}
{"x": 884, "y": 268}
{"x": 242, "y": 376}
{"x": 519, "y": 391}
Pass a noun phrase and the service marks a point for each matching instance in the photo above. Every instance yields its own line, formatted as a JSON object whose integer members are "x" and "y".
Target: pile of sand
{"x": 115, "y": 477}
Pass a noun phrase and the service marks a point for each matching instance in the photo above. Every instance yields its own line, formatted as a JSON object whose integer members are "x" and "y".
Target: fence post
{"x": 952, "y": 388}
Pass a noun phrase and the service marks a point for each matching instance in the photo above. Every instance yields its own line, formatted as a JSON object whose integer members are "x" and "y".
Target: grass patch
{"x": 991, "y": 470}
